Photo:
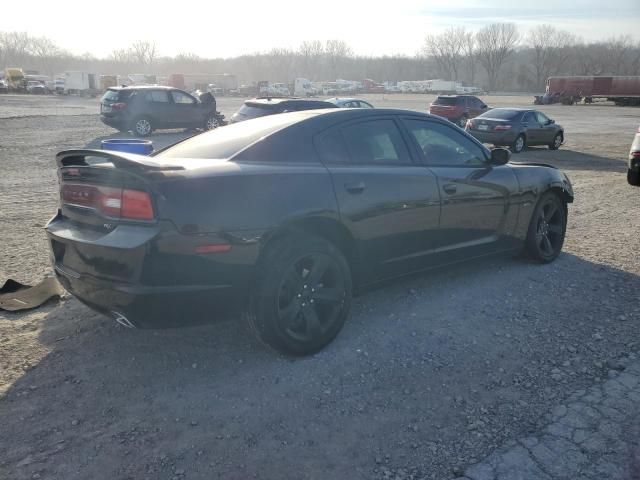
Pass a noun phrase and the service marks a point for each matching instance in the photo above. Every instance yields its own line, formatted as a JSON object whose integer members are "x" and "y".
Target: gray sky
{"x": 227, "y": 28}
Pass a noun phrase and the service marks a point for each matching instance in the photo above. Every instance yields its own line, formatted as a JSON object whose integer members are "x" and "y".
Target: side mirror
{"x": 483, "y": 106}
{"x": 500, "y": 156}
{"x": 550, "y": 122}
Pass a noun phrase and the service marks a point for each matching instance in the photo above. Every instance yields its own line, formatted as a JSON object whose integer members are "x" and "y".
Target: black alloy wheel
{"x": 547, "y": 228}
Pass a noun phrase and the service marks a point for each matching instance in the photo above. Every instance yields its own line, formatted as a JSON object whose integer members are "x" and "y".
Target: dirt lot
{"x": 430, "y": 374}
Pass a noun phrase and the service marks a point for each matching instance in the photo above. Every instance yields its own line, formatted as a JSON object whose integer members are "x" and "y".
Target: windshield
{"x": 227, "y": 141}
{"x": 502, "y": 114}
{"x": 446, "y": 101}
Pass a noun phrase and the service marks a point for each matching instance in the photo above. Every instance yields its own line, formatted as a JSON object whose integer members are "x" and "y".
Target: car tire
{"x": 301, "y": 296}
{"x": 142, "y": 126}
{"x": 633, "y": 177}
{"x": 462, "y": 121}
{"x": 519, "y": 144}
{"x": 211, "y": 123}
{"x": 556, "y": 142}
{"x": 547, "y": 228}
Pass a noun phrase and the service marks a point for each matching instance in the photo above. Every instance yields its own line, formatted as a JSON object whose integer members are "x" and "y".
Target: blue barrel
{"x": 129, "y": 145}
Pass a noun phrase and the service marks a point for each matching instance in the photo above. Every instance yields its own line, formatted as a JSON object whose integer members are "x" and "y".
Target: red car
{"x": 633, "y": 174}
{"x": 457, "y": 108}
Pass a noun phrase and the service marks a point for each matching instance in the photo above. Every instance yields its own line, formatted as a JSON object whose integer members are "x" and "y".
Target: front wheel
{"x": 462, "y": 121}
{"x": 302, "y": 294}
{"x": 557, "y": 141}
{"x": 547, "y": 228}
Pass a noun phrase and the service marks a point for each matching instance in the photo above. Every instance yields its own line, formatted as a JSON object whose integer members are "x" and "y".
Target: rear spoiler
{"x": 130, "y": 161}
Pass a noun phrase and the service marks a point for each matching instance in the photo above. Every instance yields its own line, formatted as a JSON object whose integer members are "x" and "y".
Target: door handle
{"x": 450, "y": 188}
{"x": 355, "y": 187}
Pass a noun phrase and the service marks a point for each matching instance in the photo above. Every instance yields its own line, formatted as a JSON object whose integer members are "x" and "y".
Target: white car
{"x": 34, "y": 86}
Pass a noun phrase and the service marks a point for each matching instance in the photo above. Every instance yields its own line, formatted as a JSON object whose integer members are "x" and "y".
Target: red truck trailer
{"x": 623, "y": 90}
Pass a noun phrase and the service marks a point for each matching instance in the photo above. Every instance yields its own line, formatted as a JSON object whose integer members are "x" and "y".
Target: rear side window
{"x": 331, "y": 147}
{"x": 157, "y": 96}
{"x": 502, "y": 114}
{"x": 373, "y": 142}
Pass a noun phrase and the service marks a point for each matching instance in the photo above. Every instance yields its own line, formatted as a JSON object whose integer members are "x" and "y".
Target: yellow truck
{"x": 15, "y": 79}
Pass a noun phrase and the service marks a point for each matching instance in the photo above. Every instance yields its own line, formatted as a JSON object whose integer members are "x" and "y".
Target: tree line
{"x": 496, "y": 57}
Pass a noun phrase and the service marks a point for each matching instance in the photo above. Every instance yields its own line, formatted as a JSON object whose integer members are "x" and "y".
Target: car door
{"x": 185, "y": 110}
{"x": 390, "y": 204}
{"x": 531, "y": 127}
{"x": 158, "y": 106}
{"x": 547, "y": 129}
{"x": 476, "y": 211}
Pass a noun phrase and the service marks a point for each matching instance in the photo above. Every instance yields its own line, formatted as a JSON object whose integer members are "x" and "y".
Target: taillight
{"x": 136, "y": 205}
{"x": 118, "y": 106}
{"x": 502, "y": 127}
{"x": 109, "y": 201}
{"x": 635, "y": 154}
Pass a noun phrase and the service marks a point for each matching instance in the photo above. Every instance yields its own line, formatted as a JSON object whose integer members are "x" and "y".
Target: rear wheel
{"x": 557, "y": 141}
{"x": 142, "y": 126}
{"x": 519, "y": 144}
{"x": 547, "y": 228}
{"x": 633, "y": 177}
{"x": 302, "y": 294}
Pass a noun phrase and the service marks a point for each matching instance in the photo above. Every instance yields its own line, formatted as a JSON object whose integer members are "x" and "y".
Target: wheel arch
{"x": 327, "y": 228}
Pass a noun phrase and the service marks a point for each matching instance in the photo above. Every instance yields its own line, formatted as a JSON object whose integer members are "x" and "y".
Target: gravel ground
{"x": 430, "y": 375}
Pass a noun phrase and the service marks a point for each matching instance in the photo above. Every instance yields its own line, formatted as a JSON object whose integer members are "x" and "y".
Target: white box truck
{"x": 304, "y": 88}
{"x": 81, "y": 83}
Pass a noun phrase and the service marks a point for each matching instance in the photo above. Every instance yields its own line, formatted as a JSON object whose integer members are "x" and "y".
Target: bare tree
{"x": 15, "y": 46}
{"x": 120, "y": 55}
{"x": 311, "y": 53}
{"x": 144, "y": 52}
{"x": 447, "y": 50}
{"x": 496, "y": 42}
{"x": 618, "y": 48}
{"x": 336, "y": 51}
{"x": 550, "y": 51}
{"x": 281, "y": 60}
{"x": 470, "y": 50}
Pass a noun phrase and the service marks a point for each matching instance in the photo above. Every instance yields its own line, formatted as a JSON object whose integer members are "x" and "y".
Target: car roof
{"x": 143, "y": 87}
{"x": 266, "y": 101}
{"x": 513, "y": 109}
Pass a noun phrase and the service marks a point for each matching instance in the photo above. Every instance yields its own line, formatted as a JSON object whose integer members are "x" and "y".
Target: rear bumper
{"x": 150, "y": 274}
{"x": 151, "y": 306}
{"x": 496, "y": 138}
{"x": 114, "y": 122}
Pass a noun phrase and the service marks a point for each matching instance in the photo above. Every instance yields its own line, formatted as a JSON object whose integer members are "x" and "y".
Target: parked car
{"x": 516, "y": 128}
{"x": 283, "y": 217}
{"x": 36, "y": 87}
{"x": 259, "y": 107}
{"x": 4, "y": 88}
{"x": 633, "y": 174}
{"x": 458, "y": 108}
{"x": 143, "y": 109}
{"x": 347, "y": 102}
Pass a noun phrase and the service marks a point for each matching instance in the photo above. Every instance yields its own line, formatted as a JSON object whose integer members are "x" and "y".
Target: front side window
{"x": 443, "y": 145}
{"x": 542, "y": 118}
{"x": 181, "y": 97}
{"x": 375, "y": 142}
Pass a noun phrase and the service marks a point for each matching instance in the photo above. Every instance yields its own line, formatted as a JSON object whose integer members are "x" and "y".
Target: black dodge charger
{"x": 283, "y": 217}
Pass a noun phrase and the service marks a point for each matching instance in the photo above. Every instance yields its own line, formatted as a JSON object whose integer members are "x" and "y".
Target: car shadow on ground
{"x": 571, "y": 160}
{"x": 110, "y": 402}
{"x": 160, "y": 139}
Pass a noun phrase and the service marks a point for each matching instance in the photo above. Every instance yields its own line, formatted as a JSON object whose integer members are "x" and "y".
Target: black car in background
{"x": 516, "y": 128}
{"x": 283, "y": 217}
{"x": 262, "y": 106}
{"x": 144, "y": 109}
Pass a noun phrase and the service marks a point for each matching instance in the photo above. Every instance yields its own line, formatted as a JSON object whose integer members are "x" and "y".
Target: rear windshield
{"x": 110, "y": 96}
{"x": 502, "y": 114}
{"x": 252, "y": 111}
{"x": 446, "y": 101}
{"x": 224, "y": 142}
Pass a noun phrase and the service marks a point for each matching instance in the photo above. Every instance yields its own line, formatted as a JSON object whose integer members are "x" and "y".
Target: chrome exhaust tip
{"x": 122, "y": 320}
